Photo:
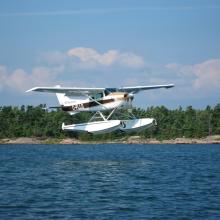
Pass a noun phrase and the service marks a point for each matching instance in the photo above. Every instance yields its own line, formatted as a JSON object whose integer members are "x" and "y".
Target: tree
{"x": 32, "y": 121}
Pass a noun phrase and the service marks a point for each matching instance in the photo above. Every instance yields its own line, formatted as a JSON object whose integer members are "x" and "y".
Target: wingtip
{"x": 32, "y": 89}
{"x": 29, "y": 90}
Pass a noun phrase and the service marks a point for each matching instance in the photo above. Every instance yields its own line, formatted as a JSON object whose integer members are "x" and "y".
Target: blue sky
{"x": 111, "y": 43}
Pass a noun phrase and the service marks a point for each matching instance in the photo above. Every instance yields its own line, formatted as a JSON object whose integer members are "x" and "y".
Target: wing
{"x": 67, "y": 90}
{"x": 75, "y": 91}
{"x": 137, "y": 89}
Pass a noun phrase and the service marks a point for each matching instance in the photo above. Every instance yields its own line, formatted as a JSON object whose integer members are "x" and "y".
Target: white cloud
{"x": 208, "y": 74}
{"x": 90, "y": 58}
{"x": 96, "y": 11}
{"x": 20, "y": 80}
{"x": 205, "y": 75}
{"x": 54, "y": 64}
{"x": 181, "y": 70}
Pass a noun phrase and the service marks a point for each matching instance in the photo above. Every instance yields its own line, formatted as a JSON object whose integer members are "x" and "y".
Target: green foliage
{"x": 32, "y": 121}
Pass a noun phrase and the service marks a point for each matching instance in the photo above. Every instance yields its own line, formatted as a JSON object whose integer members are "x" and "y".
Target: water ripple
{"x": 110, "y": 182}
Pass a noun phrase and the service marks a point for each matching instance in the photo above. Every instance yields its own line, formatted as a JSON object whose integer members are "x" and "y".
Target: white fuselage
{"x": 96, "y": 103}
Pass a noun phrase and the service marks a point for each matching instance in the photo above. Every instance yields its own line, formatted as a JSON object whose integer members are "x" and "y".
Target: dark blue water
{"x": 110, "y": 181}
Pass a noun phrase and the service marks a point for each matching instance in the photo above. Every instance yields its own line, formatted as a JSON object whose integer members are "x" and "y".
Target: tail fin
{"x": 62, "y": 98}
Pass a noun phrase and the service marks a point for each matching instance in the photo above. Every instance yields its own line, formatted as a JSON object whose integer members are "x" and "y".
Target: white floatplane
{"x": 74, "y": 100}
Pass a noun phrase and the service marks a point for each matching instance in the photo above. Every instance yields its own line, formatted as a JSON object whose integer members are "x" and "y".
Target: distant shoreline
{"x": 130, "y": 140}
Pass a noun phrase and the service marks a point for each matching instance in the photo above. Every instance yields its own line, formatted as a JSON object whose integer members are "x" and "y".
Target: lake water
{"x": 109, "y": 181}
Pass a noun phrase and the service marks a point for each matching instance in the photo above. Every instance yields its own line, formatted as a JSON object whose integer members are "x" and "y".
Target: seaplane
{"x": 101, "y": 101}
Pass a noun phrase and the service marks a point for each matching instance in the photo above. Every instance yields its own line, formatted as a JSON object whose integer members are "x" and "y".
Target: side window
{"x": 97, "y": 96}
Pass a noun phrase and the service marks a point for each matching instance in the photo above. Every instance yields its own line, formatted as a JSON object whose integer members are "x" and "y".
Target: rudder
{"x": 62, "y": 98}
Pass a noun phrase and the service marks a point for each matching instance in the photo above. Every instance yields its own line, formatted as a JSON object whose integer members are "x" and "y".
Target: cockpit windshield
{"x": 109, "y": 90}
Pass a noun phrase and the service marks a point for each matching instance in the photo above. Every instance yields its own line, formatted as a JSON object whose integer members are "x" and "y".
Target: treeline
{"x": 29, "y": 121}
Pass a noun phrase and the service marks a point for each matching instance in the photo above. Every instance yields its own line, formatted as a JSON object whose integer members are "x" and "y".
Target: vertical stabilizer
{"x": 63, "y": 99}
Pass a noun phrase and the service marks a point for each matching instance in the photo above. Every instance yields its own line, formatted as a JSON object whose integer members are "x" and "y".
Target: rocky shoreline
{"x": 130, "y": 140}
